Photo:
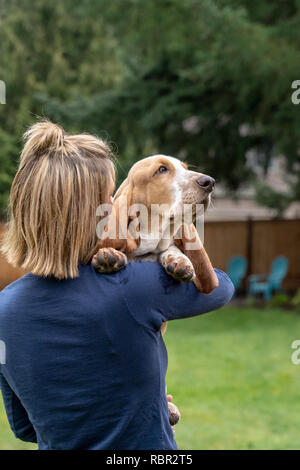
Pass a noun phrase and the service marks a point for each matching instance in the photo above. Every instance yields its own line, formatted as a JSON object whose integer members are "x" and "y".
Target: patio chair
{"x": 267, "y": 283}
{"x": 236, "y": 270}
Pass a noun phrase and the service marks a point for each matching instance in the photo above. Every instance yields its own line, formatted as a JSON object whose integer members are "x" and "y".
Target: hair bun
{"x": 43, "y": 137}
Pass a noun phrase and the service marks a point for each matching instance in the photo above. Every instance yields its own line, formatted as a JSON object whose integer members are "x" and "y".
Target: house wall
{"x": 227, "y": 209}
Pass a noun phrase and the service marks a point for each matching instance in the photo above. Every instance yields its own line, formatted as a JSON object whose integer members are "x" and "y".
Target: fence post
{"x": 249, "y": 244}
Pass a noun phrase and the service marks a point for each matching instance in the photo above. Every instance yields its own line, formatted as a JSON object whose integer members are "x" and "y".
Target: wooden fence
{"x": 8, "y": 274}
{"x": 258, "y": 241}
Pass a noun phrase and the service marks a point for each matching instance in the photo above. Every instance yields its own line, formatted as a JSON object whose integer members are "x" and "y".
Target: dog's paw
{"x": 109, "y": 260}
{"x": 174, "y": 414}
{"x": 179, "y": 267}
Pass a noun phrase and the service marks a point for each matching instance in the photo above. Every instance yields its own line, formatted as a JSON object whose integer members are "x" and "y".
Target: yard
{"x": 231, "y": 375}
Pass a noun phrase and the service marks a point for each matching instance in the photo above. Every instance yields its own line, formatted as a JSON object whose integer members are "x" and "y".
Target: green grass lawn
{"x": 231, "y": 375}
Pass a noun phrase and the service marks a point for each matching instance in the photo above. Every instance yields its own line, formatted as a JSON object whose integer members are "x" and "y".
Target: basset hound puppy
{"x": 147, "y": 221}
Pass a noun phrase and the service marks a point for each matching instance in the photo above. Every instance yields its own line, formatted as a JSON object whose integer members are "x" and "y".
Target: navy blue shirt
{"x": 85, "y": 360}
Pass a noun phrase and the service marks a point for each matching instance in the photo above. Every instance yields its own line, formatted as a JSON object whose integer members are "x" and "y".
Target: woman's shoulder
{"x": 12, "y": 288}
{"x": 145, "y": 274}
{"x": 13, "y": 295}
{"x": 151, "y": 267}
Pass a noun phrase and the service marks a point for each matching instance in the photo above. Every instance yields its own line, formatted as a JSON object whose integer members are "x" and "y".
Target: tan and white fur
{"x": 161, "y": 184}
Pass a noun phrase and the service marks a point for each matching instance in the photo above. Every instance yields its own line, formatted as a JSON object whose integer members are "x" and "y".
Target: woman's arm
{"x": 16, "y": 414}
{"x": 153, "y": 297}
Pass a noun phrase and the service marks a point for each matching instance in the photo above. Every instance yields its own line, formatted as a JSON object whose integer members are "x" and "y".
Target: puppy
{"x": 147, "y": 221}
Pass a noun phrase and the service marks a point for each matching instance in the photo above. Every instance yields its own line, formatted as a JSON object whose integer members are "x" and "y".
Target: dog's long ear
{"x": 190, "y": 244}
{"x": 117, "y": 233}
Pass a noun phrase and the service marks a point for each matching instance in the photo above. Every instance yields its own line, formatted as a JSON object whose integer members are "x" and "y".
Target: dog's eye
{"x": 162, "y": 169}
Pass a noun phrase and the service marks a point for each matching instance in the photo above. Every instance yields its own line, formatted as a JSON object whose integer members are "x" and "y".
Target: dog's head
{"x": 166, "y": 180}
{"x": 156, "y": 186}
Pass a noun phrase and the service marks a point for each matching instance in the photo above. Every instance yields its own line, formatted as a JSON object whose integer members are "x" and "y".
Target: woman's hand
{"x": 174, "y": 413}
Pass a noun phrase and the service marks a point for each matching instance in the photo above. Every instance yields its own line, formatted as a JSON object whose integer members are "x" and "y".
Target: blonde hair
{"x": 59, "y": 184}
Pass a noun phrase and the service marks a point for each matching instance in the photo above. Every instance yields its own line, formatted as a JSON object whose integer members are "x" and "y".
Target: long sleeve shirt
{"x": 85, "y": 361}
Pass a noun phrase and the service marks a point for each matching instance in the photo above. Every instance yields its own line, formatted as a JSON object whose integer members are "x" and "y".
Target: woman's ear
{"x": 116, "y": 233}
{"x": 190, "y": 244}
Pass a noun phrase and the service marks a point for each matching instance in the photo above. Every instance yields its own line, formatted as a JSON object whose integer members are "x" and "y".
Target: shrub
{"x": 296, "y": 300}
{"x": 280, "y": 300}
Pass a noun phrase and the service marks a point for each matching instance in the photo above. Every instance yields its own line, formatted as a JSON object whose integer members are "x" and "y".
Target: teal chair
{"x": 267, "y": 283}
{"x": 236, "y": 270}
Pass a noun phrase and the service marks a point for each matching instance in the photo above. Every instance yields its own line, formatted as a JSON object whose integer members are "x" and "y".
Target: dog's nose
{"x": 206, "y": 182}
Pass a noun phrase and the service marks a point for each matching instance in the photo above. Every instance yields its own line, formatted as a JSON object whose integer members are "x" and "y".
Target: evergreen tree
{"x": 207, "y": 80}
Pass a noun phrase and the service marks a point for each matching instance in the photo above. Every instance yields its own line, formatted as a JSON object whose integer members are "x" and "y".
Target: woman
{"x": 85, "y": 360}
